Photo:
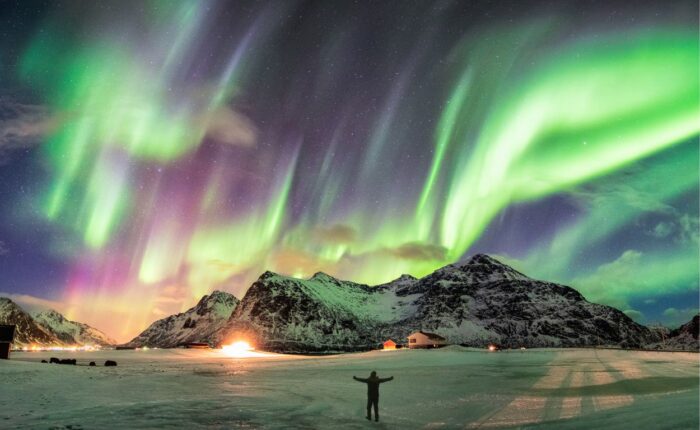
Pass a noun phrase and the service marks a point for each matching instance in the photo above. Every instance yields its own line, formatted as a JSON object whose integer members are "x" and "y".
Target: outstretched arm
{"x": 391, "y": 378}
{"x": 359, "y": 379}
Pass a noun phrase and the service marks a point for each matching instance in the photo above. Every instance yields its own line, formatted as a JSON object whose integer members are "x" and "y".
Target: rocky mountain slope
{"x": 683, "y": 338}
{"x": 27, "y": 331}
{"x": 473, "y": 303}
{"x": 71, "y": 332}
{"x": 48, "y": 328}
{"x": 197, "y": 324}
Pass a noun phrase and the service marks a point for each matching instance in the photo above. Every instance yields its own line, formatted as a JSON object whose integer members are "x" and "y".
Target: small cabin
{"x": 422, "y": 339}
{"x": 7, "y": 336}
{"x": 389, "y": 344}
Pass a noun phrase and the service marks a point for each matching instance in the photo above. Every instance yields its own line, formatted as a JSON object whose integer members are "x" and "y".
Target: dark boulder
{"x": 54, "y": 360}
{"x": 70, "y": 361}
{"x": 92, "y": 363}
{"x": 110, "y": 363}
{"x": 44, "y": 361}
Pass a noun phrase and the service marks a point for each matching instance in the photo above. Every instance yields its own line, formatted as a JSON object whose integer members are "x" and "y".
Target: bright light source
{"x": 493, "y": 347}
{"x": 239, "y": 348}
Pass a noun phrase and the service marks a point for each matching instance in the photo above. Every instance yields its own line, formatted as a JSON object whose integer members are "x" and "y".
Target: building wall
{"x": 419, "y": 340}
{"x": 5, "y": 350}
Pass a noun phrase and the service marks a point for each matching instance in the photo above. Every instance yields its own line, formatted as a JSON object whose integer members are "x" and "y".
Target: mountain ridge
{"x": 475, "y": 302}
{"x": 196, "y": 325}
{"x": 48, "y": 328}
{"x": 72, "y": 332}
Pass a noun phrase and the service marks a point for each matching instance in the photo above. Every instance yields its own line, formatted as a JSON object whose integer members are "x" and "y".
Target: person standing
{"x": 373, "y": 392}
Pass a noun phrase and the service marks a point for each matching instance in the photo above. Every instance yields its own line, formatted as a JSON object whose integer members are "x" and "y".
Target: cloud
{"x": 662, "y": 229}
{"x": 230, "y": 127}
{"x": 608, "y": 194}
{"x": 636, "y": 315}
{"x": 419, "y": 251}
{"x": 175, "y": 296}
{"x": 295, "y": 261}
{"x": 606, "y": 283}
{"x": 24, "y": 125}
{"x": 158, "y": 313}
{"x": 675, "y": 317}
{"x": 4, "y": 250}
{"x": 336, "y": 234}
{"x": 683, "y": 228}
{"x": 689, "y": 229}
{"x": 634, "y": 275}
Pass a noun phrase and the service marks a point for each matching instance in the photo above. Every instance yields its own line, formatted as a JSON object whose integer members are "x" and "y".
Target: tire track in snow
{"x": 571, "y": 406}
{"x": 605, "y": 375}
{"x": 526, "y": 409}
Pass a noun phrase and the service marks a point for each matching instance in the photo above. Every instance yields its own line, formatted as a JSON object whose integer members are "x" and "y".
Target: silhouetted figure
{"x": 373, "y": 393}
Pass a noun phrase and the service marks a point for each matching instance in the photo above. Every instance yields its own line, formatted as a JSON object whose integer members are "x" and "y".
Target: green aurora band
{"x": 580, "y": 113}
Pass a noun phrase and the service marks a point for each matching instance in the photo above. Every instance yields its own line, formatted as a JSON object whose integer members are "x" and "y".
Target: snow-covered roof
{"x": 429, "y": 335}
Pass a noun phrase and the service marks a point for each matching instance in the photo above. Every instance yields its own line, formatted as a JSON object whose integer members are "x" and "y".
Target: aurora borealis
{"x": 154, "y": 151}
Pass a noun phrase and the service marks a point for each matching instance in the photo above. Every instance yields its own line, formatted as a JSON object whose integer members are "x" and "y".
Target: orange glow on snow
{"x": 240, "y": 349}
{"x": 60, "y": 348}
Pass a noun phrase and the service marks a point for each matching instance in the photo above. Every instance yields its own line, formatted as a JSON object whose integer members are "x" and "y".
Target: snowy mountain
{"x": 27, "y": 331}
{"x": 71, "y": 332}
{"x": 197, "y": 324}
{"x": 320, "y": 313}
{"x": 48, "y": 328}
{"x": 473, "y": 303}
{"x": 683, "y": 338}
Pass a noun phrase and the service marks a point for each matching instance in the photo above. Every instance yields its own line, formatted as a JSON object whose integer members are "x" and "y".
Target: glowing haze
{"x": 155, "y": 151}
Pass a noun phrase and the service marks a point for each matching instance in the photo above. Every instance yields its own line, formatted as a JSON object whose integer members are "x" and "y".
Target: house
{"x": 422, "y": 339}
{"x": 389, "y": 344}
{"x": 7, "y": 336}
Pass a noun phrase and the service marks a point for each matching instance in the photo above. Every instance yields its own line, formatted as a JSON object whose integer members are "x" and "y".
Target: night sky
{"x": 153, "y": 151}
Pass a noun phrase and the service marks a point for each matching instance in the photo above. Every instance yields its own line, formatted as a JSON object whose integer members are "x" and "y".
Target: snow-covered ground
{"x": 437, "y": 389}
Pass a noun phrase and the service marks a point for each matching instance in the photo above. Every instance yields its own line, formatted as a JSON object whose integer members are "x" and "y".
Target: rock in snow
{"x": 473, "y": 303}
{"x": 197, "y": 324}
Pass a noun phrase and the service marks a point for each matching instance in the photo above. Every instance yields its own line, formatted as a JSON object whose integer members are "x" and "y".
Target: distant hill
{"x": 72, "y": 332}
{"x": 684, "y": 338}
{"x": 27, "y": 331}
{"x": 48, "y": 328}
{"x": 197, "y": 324}
{"x": 473, "y": 303}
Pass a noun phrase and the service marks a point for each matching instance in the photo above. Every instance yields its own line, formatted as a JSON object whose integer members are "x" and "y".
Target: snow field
{"x": 451, "y": 388}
